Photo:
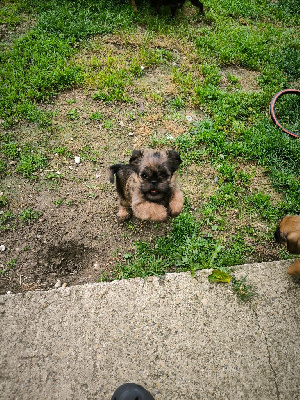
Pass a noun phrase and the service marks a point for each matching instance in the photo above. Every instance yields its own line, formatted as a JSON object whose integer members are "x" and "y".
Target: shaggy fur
{"x": 147, "y": 185}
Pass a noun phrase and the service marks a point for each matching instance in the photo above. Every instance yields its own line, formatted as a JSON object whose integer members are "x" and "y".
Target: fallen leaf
{"x": 219, "y": 276}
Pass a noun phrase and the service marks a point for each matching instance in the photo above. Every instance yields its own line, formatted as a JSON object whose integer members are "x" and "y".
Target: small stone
{"x": 130, "y": 134}
{"x": 64, "y": 285}
{"x": 2, "y": 247}
{"x": 58, "y": 284}
{"x": 189, "y": 118}
{"x": 77, "y": 160}
{"x": 96, "y": 267}
{"x": 9, "y": 292}
{"x": 170, "y": 137}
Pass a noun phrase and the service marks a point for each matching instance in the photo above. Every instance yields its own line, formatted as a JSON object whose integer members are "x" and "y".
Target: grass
{"x": 10, "y": 220}
{"x": 183, "y": 249}
{"x": 11, "y": 264}
{"x": 65, "y": 48}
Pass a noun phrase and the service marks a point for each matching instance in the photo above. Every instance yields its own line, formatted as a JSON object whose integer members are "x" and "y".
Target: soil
{"x": 77, "y": 236}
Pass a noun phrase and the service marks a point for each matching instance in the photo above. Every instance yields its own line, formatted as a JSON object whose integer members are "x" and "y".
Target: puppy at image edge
{"x": 288, "y": 232}
{"x": 147, "y": 185}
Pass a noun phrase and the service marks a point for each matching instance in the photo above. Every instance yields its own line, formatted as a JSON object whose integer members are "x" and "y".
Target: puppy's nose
{"x": 154, "y": 183}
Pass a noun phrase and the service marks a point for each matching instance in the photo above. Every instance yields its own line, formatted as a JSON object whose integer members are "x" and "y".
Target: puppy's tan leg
{"x": 151, "y": 211}
{"x": 176, "y": 203}
{"x": 123, "y": 213}
{"x": 293, "y": 242}
{"x": 294, "y": 269}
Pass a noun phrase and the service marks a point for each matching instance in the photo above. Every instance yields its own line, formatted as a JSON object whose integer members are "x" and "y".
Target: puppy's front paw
{"x": 123, "y": 213}
{"x": 176, "y": 203}
{"x": 294, "y": 269}
{"x": 151, "y": 211}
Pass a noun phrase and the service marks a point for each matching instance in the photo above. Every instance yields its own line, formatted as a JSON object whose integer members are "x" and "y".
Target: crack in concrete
{"x": 269, "y": 354}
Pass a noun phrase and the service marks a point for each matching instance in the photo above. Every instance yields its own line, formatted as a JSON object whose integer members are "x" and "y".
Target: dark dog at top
{"x": 147, "y": 185}
{"x": 288, "y": 232}
{"x": 173, "y": 4}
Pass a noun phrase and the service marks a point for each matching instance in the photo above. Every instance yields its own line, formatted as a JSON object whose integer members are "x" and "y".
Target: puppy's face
{"x": 155, "y": 170}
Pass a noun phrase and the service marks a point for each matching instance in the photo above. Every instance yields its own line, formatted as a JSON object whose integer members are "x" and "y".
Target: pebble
{"x": 58, "y": 284}
{"x": 170, "y": 137}
{"x": 96, "y": 267}
{"x": 2, "y": 247}
{"x": 77, "y": 160}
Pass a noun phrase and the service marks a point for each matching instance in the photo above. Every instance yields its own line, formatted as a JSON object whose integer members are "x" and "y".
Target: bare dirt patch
{"x": 77, "y": 237}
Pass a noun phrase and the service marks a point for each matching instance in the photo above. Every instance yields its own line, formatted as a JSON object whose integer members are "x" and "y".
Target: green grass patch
{"x": 23, "y": 158}
{"x": 183, "y": 249}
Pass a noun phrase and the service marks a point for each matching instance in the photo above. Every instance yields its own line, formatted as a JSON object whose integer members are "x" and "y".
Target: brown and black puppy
{"x": 147, "y": 185}
{"x": 175, "y": 5}
{"x": 288, "y": 232}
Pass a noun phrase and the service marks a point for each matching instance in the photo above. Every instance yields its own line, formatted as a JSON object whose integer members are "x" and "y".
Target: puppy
{"x": 175, "y": 5}
{"x": 147, "y": 185}
{"x": 288, "y": 232}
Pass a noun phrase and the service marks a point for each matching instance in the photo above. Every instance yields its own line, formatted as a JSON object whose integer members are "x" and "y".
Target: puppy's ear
{"x": 136, "y": 156}
{"x": 174, "y": 160}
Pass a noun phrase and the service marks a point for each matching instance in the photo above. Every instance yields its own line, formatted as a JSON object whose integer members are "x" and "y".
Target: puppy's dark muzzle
{"x": 153, "y": 188}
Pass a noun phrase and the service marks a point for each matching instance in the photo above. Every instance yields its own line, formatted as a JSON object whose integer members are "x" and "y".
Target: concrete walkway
{"x": 179, "y": 336}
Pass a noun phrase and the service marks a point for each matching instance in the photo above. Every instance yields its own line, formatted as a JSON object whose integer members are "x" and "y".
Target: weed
{"x": 29, "y": 163}
{"x": 3, "y": 200}
{"x": 73, "y": 114}
{"x": 233, "y": 80}
{"x": 245, "y": 291}
{"x": 72, "y": 101}
{"x": 108, "y": 124}
{"x": 58, "y": 202}
{"x": 87, "y": 153}
{"x": 11, "y": 264}
{"x": 62, "y": 151}
{"x": 96, "y": 116}
{"x": 28, "y": 215}
{"x": 177, "y": 102}
{"x": 6, "y": 218}
{"x": 54, "y": 177}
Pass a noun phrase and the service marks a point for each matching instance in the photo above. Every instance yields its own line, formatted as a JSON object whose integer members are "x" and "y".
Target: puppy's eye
{"x": 144, "y": 176}
{"x": 164, "y": 175}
